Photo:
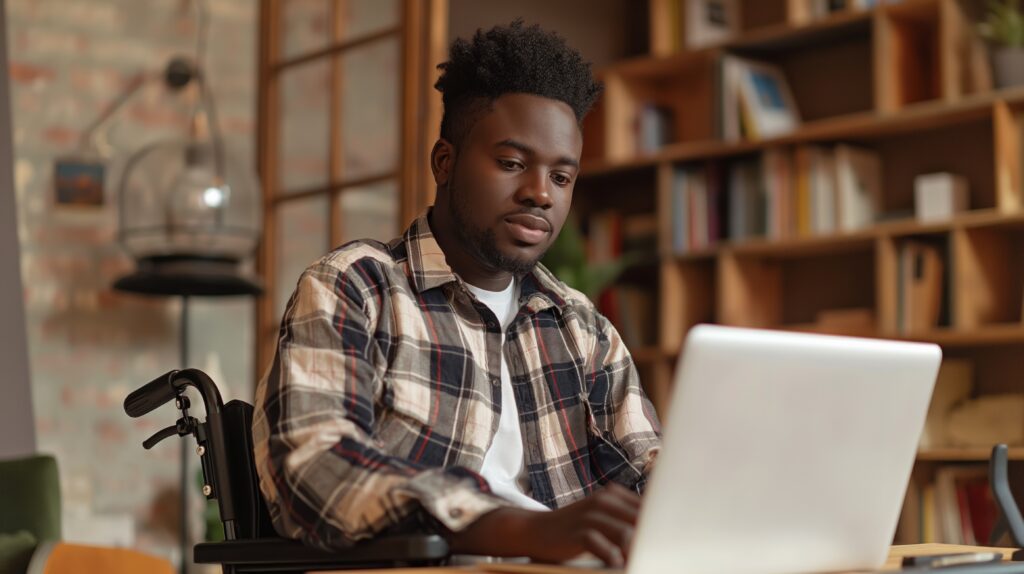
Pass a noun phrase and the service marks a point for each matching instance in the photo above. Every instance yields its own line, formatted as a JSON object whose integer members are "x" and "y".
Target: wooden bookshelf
{"x": 901, "y": 81}
{"x": 866, "y": 125}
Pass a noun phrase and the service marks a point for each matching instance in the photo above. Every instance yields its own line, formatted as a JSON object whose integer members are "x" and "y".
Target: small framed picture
{"x": 78, "y": 182}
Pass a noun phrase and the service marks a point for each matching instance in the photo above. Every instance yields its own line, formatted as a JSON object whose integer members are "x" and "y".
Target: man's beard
{"x": 482, "y": 243}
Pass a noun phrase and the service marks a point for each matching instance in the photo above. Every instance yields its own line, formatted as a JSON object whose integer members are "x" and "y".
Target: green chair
{"x": 29, "y": 509}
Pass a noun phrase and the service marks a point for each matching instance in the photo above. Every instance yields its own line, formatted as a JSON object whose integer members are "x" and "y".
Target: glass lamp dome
{"x": 189, "y": 214}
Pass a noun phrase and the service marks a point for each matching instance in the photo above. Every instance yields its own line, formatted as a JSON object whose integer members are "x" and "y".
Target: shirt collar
{"x": 428, "y": 269}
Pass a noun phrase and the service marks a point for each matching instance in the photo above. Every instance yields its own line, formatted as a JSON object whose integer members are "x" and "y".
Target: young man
{"x": 447, "y": 381}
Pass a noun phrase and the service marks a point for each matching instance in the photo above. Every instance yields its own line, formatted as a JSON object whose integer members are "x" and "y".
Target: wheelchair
{"x": 224, "y": 445}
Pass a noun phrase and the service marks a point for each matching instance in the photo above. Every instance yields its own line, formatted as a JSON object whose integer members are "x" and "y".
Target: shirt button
{"x": 455, "y": 513}
{"x": 495, "y": 381}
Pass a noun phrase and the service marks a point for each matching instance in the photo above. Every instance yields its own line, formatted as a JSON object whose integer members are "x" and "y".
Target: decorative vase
{"x": 1008, "y": 66}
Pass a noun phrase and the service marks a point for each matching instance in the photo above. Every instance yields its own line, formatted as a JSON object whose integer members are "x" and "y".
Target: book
{"x": 765, "y": 102}
{"x": 653, "y": 128}
{"x": 858, "y": 186}
{"x": 920, "y": 281}
{"x": 952, "y": 505}
{"x": 746, "y": 200}
{"x": 710, "y": 22}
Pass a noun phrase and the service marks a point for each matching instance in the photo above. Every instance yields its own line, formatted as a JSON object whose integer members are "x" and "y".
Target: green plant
{"x": 567, "y": 259}
{"x": 1004, "y": 24}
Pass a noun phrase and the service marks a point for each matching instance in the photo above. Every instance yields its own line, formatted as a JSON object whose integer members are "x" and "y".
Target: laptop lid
{"x": 784, "y": 452}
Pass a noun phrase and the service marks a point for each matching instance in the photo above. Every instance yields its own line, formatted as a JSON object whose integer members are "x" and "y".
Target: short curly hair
{"x": 507, "y": 60}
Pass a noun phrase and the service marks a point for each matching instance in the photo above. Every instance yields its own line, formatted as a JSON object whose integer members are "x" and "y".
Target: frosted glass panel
{"x": 362, "y": 17}
{"x": 370, "y": 110}
{"x": 305, "y": 26}
{"x": 369, "y": 212}
{"x": 302, "y": 238}
{"x": 304, "y": 142}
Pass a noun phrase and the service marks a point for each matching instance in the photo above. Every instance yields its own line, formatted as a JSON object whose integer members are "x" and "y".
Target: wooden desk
{"x": 895, "y": 557}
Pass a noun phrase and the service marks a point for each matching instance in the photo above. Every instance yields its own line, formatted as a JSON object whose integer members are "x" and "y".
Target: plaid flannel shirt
{"x": 384, "y": 396}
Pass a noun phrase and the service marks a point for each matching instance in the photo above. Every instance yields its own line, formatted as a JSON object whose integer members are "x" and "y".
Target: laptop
{"x": 783, "y": 453}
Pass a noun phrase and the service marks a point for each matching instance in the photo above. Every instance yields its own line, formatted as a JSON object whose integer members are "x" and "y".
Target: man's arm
{"x": 324, "y": 478}
{"x": 602, "y": 524}
{"x": 622, "y": 411}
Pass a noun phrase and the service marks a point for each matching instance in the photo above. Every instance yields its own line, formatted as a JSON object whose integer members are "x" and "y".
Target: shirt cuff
{"x": 455, "y": 501}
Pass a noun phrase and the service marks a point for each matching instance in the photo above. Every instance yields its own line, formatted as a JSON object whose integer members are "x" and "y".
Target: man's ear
{"x": 442, "y": 159}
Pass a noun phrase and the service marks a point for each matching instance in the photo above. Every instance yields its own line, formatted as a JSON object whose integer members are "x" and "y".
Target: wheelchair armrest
{"x": 270, "y": 553}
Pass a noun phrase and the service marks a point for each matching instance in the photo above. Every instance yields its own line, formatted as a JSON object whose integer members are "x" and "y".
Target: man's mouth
{"x": 528, "y": 228}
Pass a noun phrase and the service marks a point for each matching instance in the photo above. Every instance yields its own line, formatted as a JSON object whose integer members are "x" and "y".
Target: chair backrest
{"x": 31, "y": 497}
{"x": 252, "y": 520}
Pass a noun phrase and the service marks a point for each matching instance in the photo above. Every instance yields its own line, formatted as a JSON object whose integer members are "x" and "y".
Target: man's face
{"x": 513, "y": 177}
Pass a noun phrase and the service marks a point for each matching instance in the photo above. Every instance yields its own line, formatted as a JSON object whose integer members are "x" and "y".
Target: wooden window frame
{"x": 422, "y": 35}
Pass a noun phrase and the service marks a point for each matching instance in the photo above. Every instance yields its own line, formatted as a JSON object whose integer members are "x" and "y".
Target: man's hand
{"x": 601, "y": 524}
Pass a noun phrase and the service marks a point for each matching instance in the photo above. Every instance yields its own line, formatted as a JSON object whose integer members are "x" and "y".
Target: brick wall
{"x": 89, "y": 346}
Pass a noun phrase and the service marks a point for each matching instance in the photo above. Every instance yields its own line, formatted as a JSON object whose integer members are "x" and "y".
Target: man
{"x": 446, "y": 380}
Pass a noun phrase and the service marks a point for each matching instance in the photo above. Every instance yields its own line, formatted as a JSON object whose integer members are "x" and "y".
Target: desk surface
{"x": 895, "y": 557}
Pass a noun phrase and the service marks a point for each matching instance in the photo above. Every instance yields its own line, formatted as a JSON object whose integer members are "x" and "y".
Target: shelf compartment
{"x": 830, "y": 75}
{"x": 966, "y": 149}
{"x": 1008, "y": 124}
{"x": 997, "y": 369}
{"x": 907, "y": 62}
{"x": 927, "y": 51}
{"x": 760, "y": 14}
{"x": 682, "y": 86}
{"x": 689, "y": 298}
{"x": 915, "y": 283}
{"x": 987, "y": 275}
{"x": 773, "y": 292}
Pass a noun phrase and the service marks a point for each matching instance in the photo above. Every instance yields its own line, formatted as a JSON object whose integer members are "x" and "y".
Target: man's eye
{"x": 508, "y": 165}
{"x": 561, "y": 179}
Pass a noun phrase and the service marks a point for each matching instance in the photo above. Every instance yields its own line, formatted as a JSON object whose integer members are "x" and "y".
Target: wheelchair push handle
{"x": 152, "y": 395}
{"x": 167, "y": 387}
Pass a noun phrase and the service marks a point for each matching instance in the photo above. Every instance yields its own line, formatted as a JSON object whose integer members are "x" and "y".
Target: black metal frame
{"x": 224, "y": 445}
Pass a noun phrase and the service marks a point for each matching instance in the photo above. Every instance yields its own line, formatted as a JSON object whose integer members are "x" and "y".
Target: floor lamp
{"x": 189, "y": 214}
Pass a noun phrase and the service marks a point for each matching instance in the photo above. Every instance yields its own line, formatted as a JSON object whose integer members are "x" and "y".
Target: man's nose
{"x": 534, "y": 190}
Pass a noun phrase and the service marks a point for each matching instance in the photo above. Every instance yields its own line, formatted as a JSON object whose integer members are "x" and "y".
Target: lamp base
{"x": 188, "y": 275}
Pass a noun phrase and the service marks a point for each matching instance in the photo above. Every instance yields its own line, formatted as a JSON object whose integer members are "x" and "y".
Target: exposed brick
{"x": 60, "y": 136}
{"x": 110, "y": 432}
{"x": 24, "y": 73}
{"x": 91, "y": 345}
{"x": 90, "y": 15}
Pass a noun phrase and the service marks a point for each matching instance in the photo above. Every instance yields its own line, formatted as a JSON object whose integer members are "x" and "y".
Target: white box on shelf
{"x": 939, "y": 196}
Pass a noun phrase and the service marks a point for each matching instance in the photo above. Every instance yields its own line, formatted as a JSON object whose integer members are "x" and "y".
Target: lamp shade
{"x": 173, "y": 202}
{"x": 188, "y": 217}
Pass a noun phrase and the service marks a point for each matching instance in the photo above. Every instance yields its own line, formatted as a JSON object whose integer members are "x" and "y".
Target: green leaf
{"x": 1004, "y": 23}
{"x": 567, "y": 259}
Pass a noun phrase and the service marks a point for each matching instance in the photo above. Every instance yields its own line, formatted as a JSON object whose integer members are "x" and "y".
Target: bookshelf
{"x": 904, "y": 81}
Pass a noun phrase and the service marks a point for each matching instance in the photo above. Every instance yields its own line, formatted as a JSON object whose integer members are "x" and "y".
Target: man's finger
{"x": 598, "y": 545}
{"x": 624, "y": 508}
{"x": 616, "y": 531}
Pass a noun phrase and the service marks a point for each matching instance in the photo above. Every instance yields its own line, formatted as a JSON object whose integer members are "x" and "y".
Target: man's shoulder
{"x": 363, "y": 255}
{"x": 567, "y": 296}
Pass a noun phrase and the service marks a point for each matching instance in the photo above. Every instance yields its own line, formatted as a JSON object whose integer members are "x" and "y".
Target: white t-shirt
{"x": 504, "y": 466}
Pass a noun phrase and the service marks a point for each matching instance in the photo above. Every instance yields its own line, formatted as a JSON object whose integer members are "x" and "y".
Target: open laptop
{"x": 783, "y": 452}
